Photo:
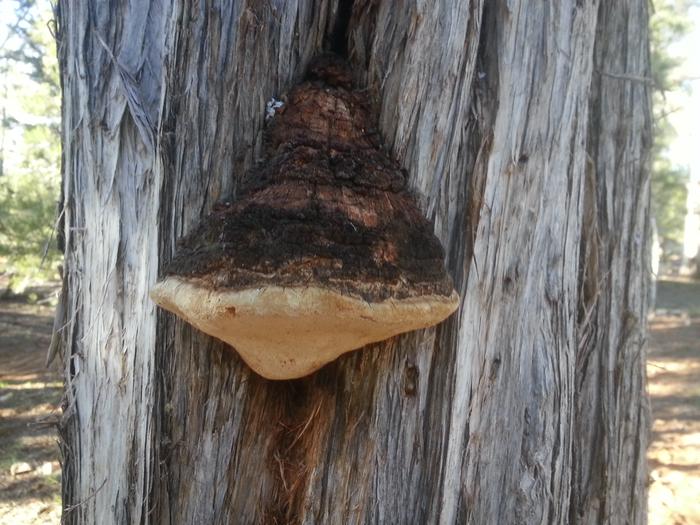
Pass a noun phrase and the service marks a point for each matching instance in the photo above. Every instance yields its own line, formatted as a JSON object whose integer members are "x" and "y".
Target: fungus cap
{"x": 324, "y": 251}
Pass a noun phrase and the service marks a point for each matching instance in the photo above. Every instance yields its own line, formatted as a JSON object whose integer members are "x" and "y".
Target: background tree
{"x": 669, "y": 24}
{"x": 29, "y": 145}
{"x": 525, "y": 127}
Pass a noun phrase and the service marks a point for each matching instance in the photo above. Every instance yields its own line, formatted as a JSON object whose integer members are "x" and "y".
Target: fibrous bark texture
{"x": 612, "y": 412}
{"x": 522, "y": 127}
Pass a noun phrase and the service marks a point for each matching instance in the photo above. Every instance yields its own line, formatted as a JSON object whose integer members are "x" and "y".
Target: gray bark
{"x": 524, "y": 128}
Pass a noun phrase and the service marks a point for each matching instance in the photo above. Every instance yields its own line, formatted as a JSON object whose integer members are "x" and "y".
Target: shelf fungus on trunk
{"x": 324, "y": 251}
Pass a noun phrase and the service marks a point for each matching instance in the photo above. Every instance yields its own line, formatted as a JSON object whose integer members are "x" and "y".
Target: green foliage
{"x": 27, "y": 211}
{"x": 670, "y": 192}
{"x": 669, "y": 23}
{"x": 29, "y": 146}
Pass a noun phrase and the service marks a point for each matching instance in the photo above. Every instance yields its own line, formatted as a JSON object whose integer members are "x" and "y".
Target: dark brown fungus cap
{"x": 324, "y": 252}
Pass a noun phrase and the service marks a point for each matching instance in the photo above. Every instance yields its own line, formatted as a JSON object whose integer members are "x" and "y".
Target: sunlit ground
{"x": 30, "y": 473}
{"x": 674, "y": 386}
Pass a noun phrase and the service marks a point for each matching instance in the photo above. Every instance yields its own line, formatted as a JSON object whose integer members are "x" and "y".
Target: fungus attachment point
{"x": 324, "y": 252}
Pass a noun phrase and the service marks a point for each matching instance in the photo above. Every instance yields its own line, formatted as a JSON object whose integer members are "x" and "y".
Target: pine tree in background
{"x": 29, "y": 146}
{"x": 669, "y": 24}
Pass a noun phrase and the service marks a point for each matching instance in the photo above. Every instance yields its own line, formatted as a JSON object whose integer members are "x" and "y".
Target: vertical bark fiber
{"x": 524, "y": 129}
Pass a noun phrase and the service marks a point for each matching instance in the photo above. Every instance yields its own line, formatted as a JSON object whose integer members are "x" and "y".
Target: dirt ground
{"x": 29, "y": 397}
{"x": 30, "y": 394}
{"x": 673, "y": 369}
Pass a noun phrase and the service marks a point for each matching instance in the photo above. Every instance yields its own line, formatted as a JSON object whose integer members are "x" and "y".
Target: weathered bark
{"x": 523, "y": 127}
{"x": 612, "y": 413}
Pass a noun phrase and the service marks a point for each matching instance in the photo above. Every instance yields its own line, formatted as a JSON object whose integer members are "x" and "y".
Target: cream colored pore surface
{"x": 285, "y": 333}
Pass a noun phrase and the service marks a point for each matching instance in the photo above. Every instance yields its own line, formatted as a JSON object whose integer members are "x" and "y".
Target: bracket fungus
{"x": 324, "y": 251}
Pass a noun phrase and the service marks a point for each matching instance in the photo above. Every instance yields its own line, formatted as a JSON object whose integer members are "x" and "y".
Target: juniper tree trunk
{"x": 524, "y": 129}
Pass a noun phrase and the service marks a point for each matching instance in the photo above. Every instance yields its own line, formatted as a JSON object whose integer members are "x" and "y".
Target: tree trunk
{"x": 524, "y": 128}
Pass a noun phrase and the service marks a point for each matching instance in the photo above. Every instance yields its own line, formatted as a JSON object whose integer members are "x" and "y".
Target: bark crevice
{"x": 338, "y": 39}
